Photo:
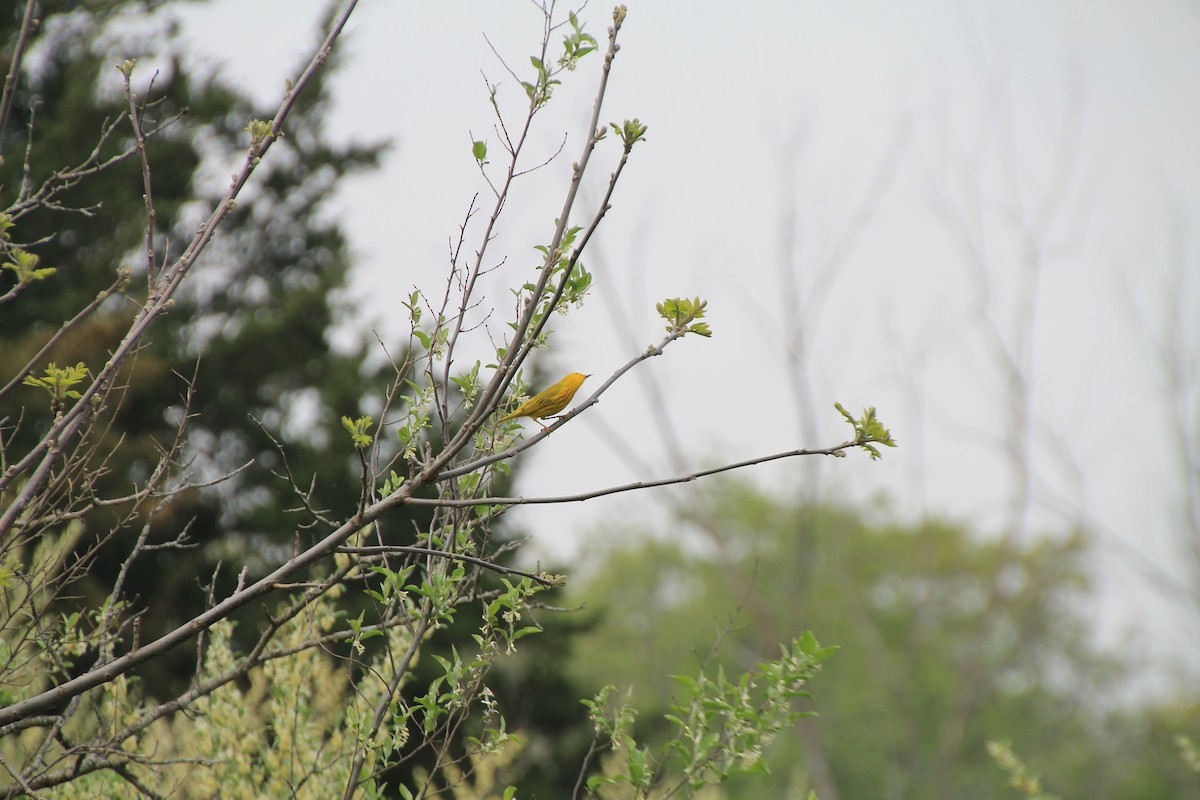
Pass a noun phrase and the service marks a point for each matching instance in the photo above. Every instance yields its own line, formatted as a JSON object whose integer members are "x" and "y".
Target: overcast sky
{"x": 897, "y": 183}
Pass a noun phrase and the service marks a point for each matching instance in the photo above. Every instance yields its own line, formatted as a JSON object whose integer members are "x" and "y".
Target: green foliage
{"x": 946, "y": 641}
{"x": 1189, "y": 752}
{"x": 631, "y": 132}
{"x": 392, "y": 483}
{"x": 22, "y": 263}
{"x": 359, "y": 431}
{"x": 503, "y": 614}
{"x": 468, "y": 384}
{"x": 59, "y": 382}
{"x": 868, "y": 431}
{"x": 681, "y": 315}
{"x": 576, "y": 44}
{"x": 724, "y": 725}
{"x": 565, "y": 270}
{"x": 259, "y": 130}
{"x": 1018, "y": 774}
{"x": 720, "y": 728}
{"x": 540, "y": 90}
{"x": 413, "y": 305}
{"x": 576, "y": 287}
{"x": 25, "y": 266}
{"x": 278, "y": 734}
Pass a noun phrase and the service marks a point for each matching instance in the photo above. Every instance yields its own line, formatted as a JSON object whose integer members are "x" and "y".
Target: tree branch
{"x": 836, "y": 450}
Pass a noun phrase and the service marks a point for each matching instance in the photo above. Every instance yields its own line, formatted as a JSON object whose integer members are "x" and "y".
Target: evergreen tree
{"x": 251, "y": 336}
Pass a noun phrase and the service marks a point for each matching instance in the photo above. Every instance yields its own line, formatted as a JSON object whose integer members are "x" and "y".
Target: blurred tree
{"x": 945, "y": 642}
{"x": 254, "y": 330}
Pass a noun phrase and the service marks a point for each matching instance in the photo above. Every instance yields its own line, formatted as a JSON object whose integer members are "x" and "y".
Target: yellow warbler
{"x": 549, "y": 402}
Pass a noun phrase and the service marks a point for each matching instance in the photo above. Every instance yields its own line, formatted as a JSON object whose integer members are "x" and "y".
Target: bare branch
{"x": 28, "y": 23}
{"x": 836, "y": 450}
{"x": 135, "y": 122}
{"x": 427, "y": 551}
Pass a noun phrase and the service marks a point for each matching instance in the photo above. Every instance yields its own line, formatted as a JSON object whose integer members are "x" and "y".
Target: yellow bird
{"x": 549, "y": 402}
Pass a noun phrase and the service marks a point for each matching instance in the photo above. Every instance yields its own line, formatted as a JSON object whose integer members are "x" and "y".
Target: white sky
{"x": 755, "y": 108}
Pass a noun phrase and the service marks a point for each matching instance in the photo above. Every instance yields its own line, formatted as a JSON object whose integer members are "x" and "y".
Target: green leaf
{"x": 631, "y": 131}
{"x": 682, "y": 313}
{"x": 25, "y": 266}
{"x": 868, "y": 430}
{"x": 258, "y": 129}
{"x": 569, "y": 237}
{"x": 468, "y": 384}
{"x": 638, "y": 775}
{"x": 358, "y": 429}
{"x": 523, "y": 632}
{"x": 596, "y": 781}
{"x": 59, "y": 382}
{"x": 479, "y": 150}
{"x": 687, "y": 682}
{"x": 414, "y": 309}
{"x": 391, "y": 485}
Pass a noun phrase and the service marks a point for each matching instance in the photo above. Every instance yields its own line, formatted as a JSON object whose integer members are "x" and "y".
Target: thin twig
{"x": 135, "y": 122}
{"x": 836, "y": 450}
{"x": 14, "y": 67}
{"x": 427, "y": 551}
